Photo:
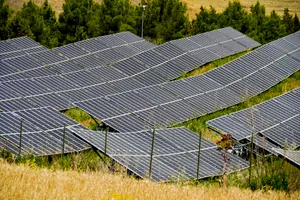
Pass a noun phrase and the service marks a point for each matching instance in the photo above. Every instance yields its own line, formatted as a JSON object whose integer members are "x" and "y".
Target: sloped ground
{"x": 193, "y": 5}
{"x": 24, "y": 182}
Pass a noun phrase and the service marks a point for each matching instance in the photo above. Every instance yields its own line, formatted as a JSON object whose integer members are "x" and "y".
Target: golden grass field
{"x": 25, "y": 182}
{"x": 194, "y": 5}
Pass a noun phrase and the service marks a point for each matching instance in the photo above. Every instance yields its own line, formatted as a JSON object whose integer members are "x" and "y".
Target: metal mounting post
{"x": 199, "y": 154}
{"x": 151, "y": 155}
{"x": 20, "y": 145}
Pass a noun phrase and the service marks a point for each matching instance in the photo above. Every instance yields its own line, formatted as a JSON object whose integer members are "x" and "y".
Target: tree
{"x": 4, "y": 16}
{"x": 116, "y": 16}
{"x": 166, "y": 19}
{"x": 287, "y": 20}
{"x": 235, "y": 16}
{"x": 296, "y": 24}
{"x": 74, "y": 20}
{"x": 206, "y": 20}
{"x": 35, "y": 22}
{"x": 274, "y": 29}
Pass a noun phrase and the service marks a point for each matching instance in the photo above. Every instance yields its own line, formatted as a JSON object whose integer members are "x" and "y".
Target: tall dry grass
{"x": 25, "y": 182}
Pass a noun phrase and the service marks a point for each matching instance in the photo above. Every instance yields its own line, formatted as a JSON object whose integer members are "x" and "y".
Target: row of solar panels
{"x": 59, "y": 91}
{"x": 42, "y": 132}
{"x": 277, "y": 120}
{"x": 97, "y": 52}
{"x": 175, "y": 153}
{"x": 72, "y": 57}
{"x": 177, "y": 101}
{"x": 292, "y": 156}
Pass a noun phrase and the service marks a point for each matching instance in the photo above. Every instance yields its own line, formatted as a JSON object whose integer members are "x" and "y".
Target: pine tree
{"x": 206, "y": 20}
{"x": 74, "y": 20}
{"x": 287, "y": 20}
{"x": 4, "y": 16}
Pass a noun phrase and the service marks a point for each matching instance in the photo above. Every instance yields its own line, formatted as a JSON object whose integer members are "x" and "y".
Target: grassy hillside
{"x": 194, "y": 5}
{"x": 29, "y": 182}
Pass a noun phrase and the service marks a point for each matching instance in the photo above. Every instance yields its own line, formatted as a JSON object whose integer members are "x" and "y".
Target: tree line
{"x": 164, "y": 20}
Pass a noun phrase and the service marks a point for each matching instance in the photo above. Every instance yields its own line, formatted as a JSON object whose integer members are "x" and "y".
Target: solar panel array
{"x": 291, "y": 156}
{"x": 42, "y": 132}
{"x": 70, "y": 74}
{"x": 177, "y": 101}
{"x": 78, "y": 56}
{"x": 175, "y": 153}
{"x": 278, "y": 120}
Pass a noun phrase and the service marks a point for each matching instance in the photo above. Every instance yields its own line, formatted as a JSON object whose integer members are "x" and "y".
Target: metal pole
{"x": 105, "y": 144}
{"x": 151, "y": 155}
{"x": 143, "y": 21}
{"x": 199, "y": 154}
{"x": 21, "y": 130}
{"x": 64, "y": 139}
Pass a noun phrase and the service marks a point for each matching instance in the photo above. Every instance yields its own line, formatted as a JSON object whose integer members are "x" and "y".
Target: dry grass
{"x": 220, "y": 5}
{"x": 23, "y": 182}
{"x": 193, "y": 5}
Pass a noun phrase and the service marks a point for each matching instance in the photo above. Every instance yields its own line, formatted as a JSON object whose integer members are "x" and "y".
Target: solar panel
{"x": 70, "y": 51}
{"x": 128, "y": 37}
{"x": 26, "y": 87}
{"x": 88, "y": 61}
{"x": 185, "y": 44}
{"x": 131, "y": 101}
{"x": 110, "y": 40}
{"x": 16, "y": 104}
{"x": 169, "y": 70}
{"x": 158, "y": 116}
{"x": 52, "y": 99}
{"x": 230, "y": 32}
{"x": 128, "y": 123}
{"x": 109, "y": 56}
{"x": 82, "y": 78}
{"x": 47, "y": 57}
{"x": 24, "y": 42}
{"x": 247, "y": 42}
{"x": 40, "y": 72}
{"x": 101, "y": 108}
{"x": 292, "y": 156}
{"x": 275, "y": 117}
{"x": 169, "y": 50}
{"x": 55, "y": 83}
{"x": 91, "y": 45}
{"x": 107, "y": 73}
{"x": 66, "y": 67}
{"x": 204, "y": 55}
{"x": 172, "y": 156}
{"x": 149, "y": 77}
{"x": 150, "y": 58}
{"x": 157, "y": 94}
{"x": 181, "y": 89}
{"x": 23, "y": 63}
{"x": 126, "y": 50}
{"x": 143, "y": 45}
{"x": 130, "y": 66}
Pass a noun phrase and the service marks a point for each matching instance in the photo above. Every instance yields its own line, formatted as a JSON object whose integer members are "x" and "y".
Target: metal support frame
{"x": 151, "y": 155}
{"x": 199, "y": 154}
{"x": 63, "y": 142}
{"x": 21, "y": 131}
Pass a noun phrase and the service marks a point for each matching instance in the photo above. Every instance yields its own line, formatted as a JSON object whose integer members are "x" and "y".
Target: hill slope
{"x": 23, "y": 182}
{"x": 193, "y": 5}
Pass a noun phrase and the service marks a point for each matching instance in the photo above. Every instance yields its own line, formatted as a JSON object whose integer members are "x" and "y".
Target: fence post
{"x": 64, "y": 140}
{"x": 105, "y": 144}
{"x": 21, "y": 131}
{"x": 151, "y": 155}
{"x": 199, "y": 154}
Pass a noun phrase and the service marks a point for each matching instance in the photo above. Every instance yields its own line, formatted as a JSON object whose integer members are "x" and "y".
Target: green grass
{"x": 82, "y": 117}
{"x": 212, "y": 65}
